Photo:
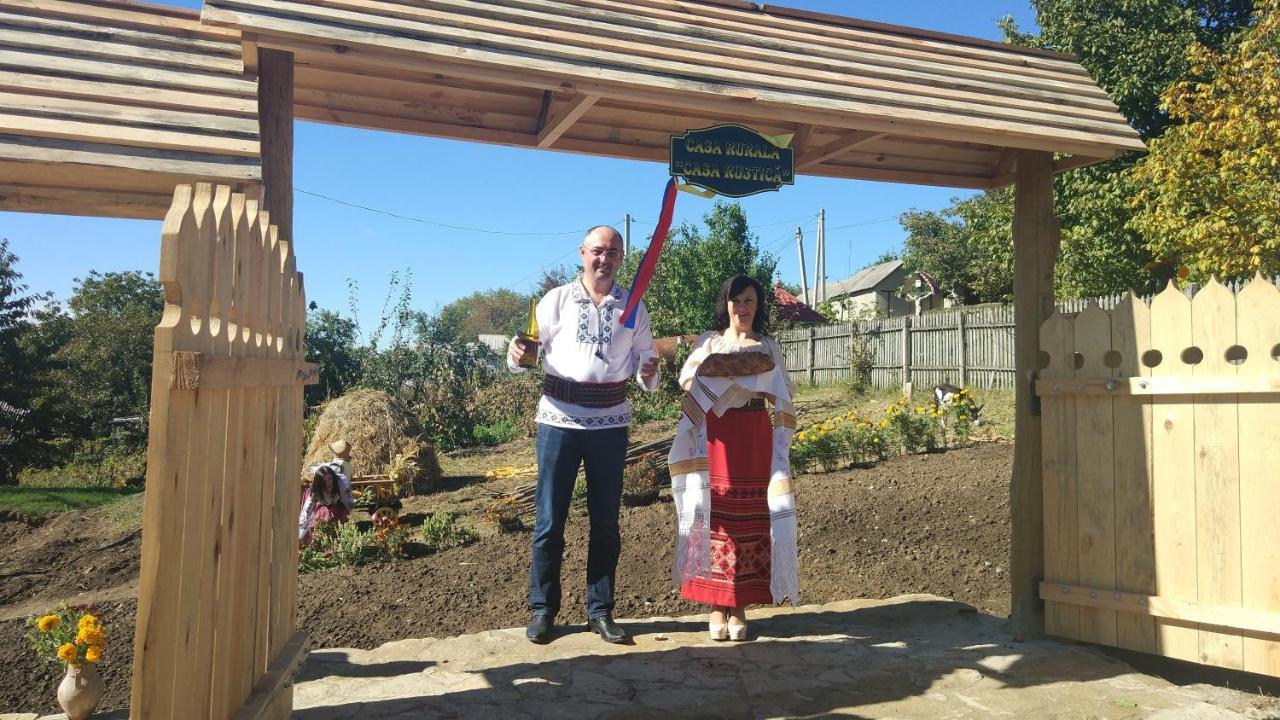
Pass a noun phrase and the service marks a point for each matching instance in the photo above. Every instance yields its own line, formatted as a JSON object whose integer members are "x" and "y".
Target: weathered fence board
{"x": 1161, "y": 439}
{"x": 217, "y": 584}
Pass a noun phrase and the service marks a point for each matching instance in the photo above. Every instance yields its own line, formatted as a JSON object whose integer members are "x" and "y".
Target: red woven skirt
{"x": 739, "y": 452}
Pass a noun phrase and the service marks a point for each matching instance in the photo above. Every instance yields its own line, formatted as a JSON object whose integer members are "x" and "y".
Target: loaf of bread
{"x": 735, "y": 364}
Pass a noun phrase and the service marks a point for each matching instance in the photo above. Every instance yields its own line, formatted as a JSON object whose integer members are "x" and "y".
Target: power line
{"x": 424, "y": 221}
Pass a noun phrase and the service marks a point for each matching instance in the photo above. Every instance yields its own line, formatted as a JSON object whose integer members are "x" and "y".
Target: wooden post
{"x": 275, "y": 124}
{"x": 812, "y": 359}
{"x": 1036, "y": 238}
{"x": 964, "y": 356}
{"x": 906, "y": 355}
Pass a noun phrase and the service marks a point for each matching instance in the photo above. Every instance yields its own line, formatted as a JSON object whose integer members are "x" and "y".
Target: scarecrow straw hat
{"x": 339, "y": 447}
{"x": 377, "y": 428}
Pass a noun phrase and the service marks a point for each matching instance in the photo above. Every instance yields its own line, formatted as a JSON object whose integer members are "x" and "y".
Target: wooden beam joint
{"x": 564, "y": 118}
{"x": 201, "y": 371}
{"x": 812, "y": 158}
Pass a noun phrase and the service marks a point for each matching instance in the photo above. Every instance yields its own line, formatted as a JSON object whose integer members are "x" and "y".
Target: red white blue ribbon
{"x": 649, "y": 262}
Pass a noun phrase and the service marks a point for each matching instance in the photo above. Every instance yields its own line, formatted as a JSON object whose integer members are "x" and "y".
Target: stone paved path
{"x": 910, "y": 657}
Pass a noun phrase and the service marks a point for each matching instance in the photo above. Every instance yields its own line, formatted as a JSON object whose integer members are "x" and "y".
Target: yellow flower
{"x": 48, "y": 623}
{"x": 93, "y": 654}
{"x": 88, "y": 621}
{"x": 90, "y": 636}
{"x": 875, "y": 439}
{"x": 884, "y": 423}
{"x": 67, "y": 653}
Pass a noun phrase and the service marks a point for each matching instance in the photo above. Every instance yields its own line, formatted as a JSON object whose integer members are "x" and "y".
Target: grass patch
{"x": 37, "y": 501}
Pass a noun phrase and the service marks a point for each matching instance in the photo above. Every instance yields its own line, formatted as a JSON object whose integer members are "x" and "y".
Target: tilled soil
{"x": 925, "y": 523}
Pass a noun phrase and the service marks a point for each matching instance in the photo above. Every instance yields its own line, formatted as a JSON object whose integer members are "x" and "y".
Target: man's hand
{"x": 649, "y": 369}
{"x": 516, "y": 348}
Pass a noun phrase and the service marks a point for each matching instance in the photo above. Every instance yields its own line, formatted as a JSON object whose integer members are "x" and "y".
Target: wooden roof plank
{"x": 119, "y": 50}
{"x": 181, "y": 22}
{"x": 61, "y": 66}
{"x": 406, "y": 31}
{"x": 116, "y": 113}
{"x": 98, "y": 31}
{"x": 151, "y": 160}
{"x": 97, "y": 132}
{"x": 73, "y": 201}
{"x": 136, "y": 95}
{"x": 623, "y": 31}
{"x": 489, "y": 66}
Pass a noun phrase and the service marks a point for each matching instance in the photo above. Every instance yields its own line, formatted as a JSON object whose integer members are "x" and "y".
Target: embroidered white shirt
{"x": 584, "y": 342}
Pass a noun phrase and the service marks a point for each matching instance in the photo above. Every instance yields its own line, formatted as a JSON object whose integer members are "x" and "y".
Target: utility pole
{"x": 822, "y": 251}
{"x": 626, "y": 236}
{"x": 817, "y": 269}
{"x": 804, "y": 274}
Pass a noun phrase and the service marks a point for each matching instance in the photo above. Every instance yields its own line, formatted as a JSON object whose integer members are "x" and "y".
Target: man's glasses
{"x": 610, "y": 253}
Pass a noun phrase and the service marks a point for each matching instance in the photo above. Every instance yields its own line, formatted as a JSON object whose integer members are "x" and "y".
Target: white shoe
{"x": 737, "y": 632}
{"x": 718, "y": 632}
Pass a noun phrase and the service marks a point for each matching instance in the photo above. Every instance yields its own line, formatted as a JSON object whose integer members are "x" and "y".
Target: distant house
{"x": 790, "y": 309}
{"x": 877, "y": 290}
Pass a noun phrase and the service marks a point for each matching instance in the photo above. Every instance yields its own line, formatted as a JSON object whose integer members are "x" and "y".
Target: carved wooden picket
{"x": 1161, "y": 431}
{"x": 216, "y": 634}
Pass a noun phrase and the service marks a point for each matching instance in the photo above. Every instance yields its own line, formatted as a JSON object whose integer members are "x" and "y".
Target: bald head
{"x": 601, "y": 253}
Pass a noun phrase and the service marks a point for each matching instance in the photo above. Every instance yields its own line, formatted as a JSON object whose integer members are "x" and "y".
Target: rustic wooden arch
{"x": 110, "y": 104}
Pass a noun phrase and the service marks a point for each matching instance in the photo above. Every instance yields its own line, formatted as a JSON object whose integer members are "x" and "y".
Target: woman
{"x": 327, "y": 500}
{"x": 740, "y": 447}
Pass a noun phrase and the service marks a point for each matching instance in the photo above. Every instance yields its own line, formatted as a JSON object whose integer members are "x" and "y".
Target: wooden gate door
{"x": 1161, "y": 429}
{"x": 216, "y": 634}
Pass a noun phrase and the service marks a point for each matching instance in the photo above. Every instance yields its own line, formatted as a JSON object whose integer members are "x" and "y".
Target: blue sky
{"x": 556, "y": 195}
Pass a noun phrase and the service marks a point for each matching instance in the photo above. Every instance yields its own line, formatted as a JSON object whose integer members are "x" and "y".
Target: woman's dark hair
{"x": 317, "y": 480}
{"x": 731, "y": 289}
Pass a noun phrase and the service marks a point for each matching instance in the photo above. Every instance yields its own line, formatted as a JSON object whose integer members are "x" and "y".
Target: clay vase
{"x": 80, "y": 691}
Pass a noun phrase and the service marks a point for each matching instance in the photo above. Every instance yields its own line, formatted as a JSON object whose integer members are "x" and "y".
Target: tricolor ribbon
{"x": 650, "y": 260}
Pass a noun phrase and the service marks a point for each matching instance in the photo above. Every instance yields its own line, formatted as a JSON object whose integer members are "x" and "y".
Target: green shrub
{"x": 917, "y": 428}
{"x": 346, "y": 544}
{"x": 510, "y": 399}
{"x": 497, "y": 433}
{"x": 438, "y": 532}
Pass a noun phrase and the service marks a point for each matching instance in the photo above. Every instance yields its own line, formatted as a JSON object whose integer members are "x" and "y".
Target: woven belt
{"x": 584, "y": 394}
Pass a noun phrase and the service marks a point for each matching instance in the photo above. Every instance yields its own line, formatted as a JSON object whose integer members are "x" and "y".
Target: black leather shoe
{"x": 539, "y": 630}
{"x": 608, "y": 630}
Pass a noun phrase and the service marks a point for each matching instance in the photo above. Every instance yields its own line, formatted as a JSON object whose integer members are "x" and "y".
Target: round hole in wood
{"x": 1193, "y": 355}
{"x": 1275, "y": 352}
{"x": 1236, "y": 355}
{"x": 1112, "y": 359}
{"x": 1152, "y": 358}
{"x": 1077, "y": 360}
{"x": 1042, "y": 360}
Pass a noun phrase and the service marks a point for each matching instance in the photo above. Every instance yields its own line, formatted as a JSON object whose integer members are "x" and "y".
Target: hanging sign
{"x": 732, "y": 160}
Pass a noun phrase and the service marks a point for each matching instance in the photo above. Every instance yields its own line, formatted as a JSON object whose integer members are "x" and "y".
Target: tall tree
{"x": 331, "y": 342}
{"x": 17, "y": 381}
{"x": 695, "y": 262}
{"x": 1210, "y": 190}
{"x": 498, "y": 310}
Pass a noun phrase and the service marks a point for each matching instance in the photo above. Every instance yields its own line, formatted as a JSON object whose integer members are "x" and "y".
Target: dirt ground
{"x": 924, "y": 523}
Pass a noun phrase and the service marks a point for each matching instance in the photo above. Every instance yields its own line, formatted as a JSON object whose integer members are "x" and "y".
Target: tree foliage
{"x": 496, "y": 311}
{"x": 1135, "y": 50}
{"x": 1210, "y": 190}
{"x": 695, "y": 262}
{"x": 331, "y": 342}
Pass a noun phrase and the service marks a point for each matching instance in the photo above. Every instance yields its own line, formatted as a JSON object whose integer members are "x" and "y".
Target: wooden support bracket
{"x": 559, "y": 123}
{"x": 200, "y": 371}
{"x": 850, "y": 141}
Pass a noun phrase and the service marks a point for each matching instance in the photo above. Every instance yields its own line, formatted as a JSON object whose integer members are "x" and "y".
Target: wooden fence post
{"x": 812, "y": 359}
{"x": 906, "y": 353}
{"x": 964, "y": 364}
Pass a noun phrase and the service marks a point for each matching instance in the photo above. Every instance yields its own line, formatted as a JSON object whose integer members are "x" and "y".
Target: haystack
{"x": 379, "y": 428}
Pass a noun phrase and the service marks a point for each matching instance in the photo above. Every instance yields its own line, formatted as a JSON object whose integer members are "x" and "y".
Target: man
{"x": 582, "y": 419}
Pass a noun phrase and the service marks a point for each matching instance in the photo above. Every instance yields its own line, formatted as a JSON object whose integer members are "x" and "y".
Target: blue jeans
{"x": 560, "y": 452}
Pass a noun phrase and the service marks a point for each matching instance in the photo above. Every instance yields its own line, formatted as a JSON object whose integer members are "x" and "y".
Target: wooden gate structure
{"x": 217, "y": 586}
{"x": 110, "y": 104}
{"x": 1161, "y": 430}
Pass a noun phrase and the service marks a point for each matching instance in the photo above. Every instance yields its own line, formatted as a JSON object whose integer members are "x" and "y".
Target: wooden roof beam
{"x": 564, "y": 118}
{"x": 1062, "y": 164}
{"x": 812, "y": 158}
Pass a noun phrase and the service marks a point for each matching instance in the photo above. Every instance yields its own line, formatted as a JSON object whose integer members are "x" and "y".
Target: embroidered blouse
{"x": 584, "y": 342}
{"x": 714, "y": 341}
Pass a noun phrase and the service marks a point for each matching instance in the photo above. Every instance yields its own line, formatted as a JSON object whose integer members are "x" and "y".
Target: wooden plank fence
{"x": 967, "y": 346}
{"x": 216, "y": 635}
{"x": 1161, "y": 430}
